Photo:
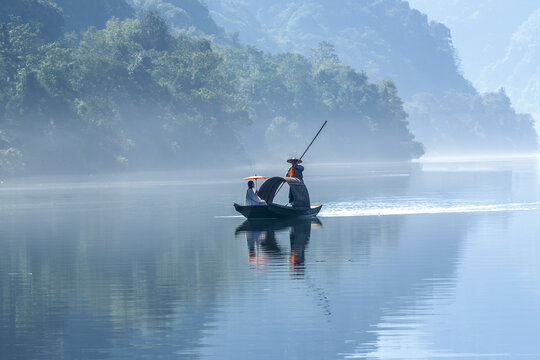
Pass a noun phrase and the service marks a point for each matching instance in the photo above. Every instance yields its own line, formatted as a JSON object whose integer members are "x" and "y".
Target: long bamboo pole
{"x": 318, "y": 132}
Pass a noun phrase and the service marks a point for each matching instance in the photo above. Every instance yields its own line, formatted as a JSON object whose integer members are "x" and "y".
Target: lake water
{"x": 406, "y": 261}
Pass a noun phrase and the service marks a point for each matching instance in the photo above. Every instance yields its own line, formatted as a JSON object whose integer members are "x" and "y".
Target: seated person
{"x": 251, "y": 196}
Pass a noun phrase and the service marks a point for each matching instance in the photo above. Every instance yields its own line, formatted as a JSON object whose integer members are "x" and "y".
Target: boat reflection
{"x": 263, "y": 245}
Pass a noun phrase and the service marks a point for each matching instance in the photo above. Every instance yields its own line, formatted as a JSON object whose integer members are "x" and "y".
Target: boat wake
{"x": 382, "y": 207}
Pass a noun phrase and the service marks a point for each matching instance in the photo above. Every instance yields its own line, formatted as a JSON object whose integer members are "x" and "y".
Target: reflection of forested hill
{"x": 120, "y": 269}
{"x": 96, "y": 292}
{"x": 389, "y": 39}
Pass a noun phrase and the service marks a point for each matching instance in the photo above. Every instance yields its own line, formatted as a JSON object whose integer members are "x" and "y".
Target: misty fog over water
{"x": 128, "y": 127}
{"x": 406, "y": 260}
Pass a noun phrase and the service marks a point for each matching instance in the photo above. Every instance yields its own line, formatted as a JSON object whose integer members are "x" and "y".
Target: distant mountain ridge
{"x": 518, "y": 71}
{"x": 387, "y": 38}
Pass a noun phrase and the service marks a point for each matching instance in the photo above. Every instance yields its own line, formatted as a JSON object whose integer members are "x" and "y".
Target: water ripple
{"x": 383, "y": 207}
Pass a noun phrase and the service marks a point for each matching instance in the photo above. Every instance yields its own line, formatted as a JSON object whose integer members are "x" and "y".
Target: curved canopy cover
{"x": 267, "y": 191}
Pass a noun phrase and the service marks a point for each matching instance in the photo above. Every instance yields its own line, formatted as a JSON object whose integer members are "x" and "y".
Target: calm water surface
{"x": 414, "y": 261}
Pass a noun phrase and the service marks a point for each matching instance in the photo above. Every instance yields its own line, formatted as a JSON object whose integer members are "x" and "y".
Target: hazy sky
{"x": 481, "y": 29}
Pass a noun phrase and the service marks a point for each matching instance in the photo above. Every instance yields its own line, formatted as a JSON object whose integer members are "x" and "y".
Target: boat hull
{"x": 275, "y": 211}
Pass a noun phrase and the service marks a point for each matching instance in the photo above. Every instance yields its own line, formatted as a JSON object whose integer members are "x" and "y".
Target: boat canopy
{"x": 268, "y": 190}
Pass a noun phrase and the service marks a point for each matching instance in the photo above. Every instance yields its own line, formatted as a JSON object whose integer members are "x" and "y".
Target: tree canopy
{"x": 135, "y": 95}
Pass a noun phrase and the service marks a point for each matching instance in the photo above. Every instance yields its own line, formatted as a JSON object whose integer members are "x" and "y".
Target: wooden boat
{"x": 267, "y": 192}
{"x": 276, "y": 211}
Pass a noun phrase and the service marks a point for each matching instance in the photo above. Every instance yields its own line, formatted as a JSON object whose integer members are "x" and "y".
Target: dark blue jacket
{"x": 296, "y": 172}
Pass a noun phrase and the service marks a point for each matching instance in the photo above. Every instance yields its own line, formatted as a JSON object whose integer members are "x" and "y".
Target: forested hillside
{"x": 132, "y": 94}
{"x": 389, "y": 39}
{"x": 288, "y": 96}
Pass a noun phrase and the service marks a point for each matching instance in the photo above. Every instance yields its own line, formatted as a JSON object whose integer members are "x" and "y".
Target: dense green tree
{"x": 153, "y": 33}
{"x": 289, "y": 94}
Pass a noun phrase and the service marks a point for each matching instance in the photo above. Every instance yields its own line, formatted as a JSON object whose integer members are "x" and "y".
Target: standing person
{"x": 294, "y": 171}
{"x": 251, "y": 196}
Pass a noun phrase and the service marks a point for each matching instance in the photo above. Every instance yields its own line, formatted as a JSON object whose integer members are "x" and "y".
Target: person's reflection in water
{"x": 253, "y": 239}
{"x": 265, "y": 240}
{"x": 299, "y": 237}
{"x": 264, "y": 248}
{"x": 261, "y": 235}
